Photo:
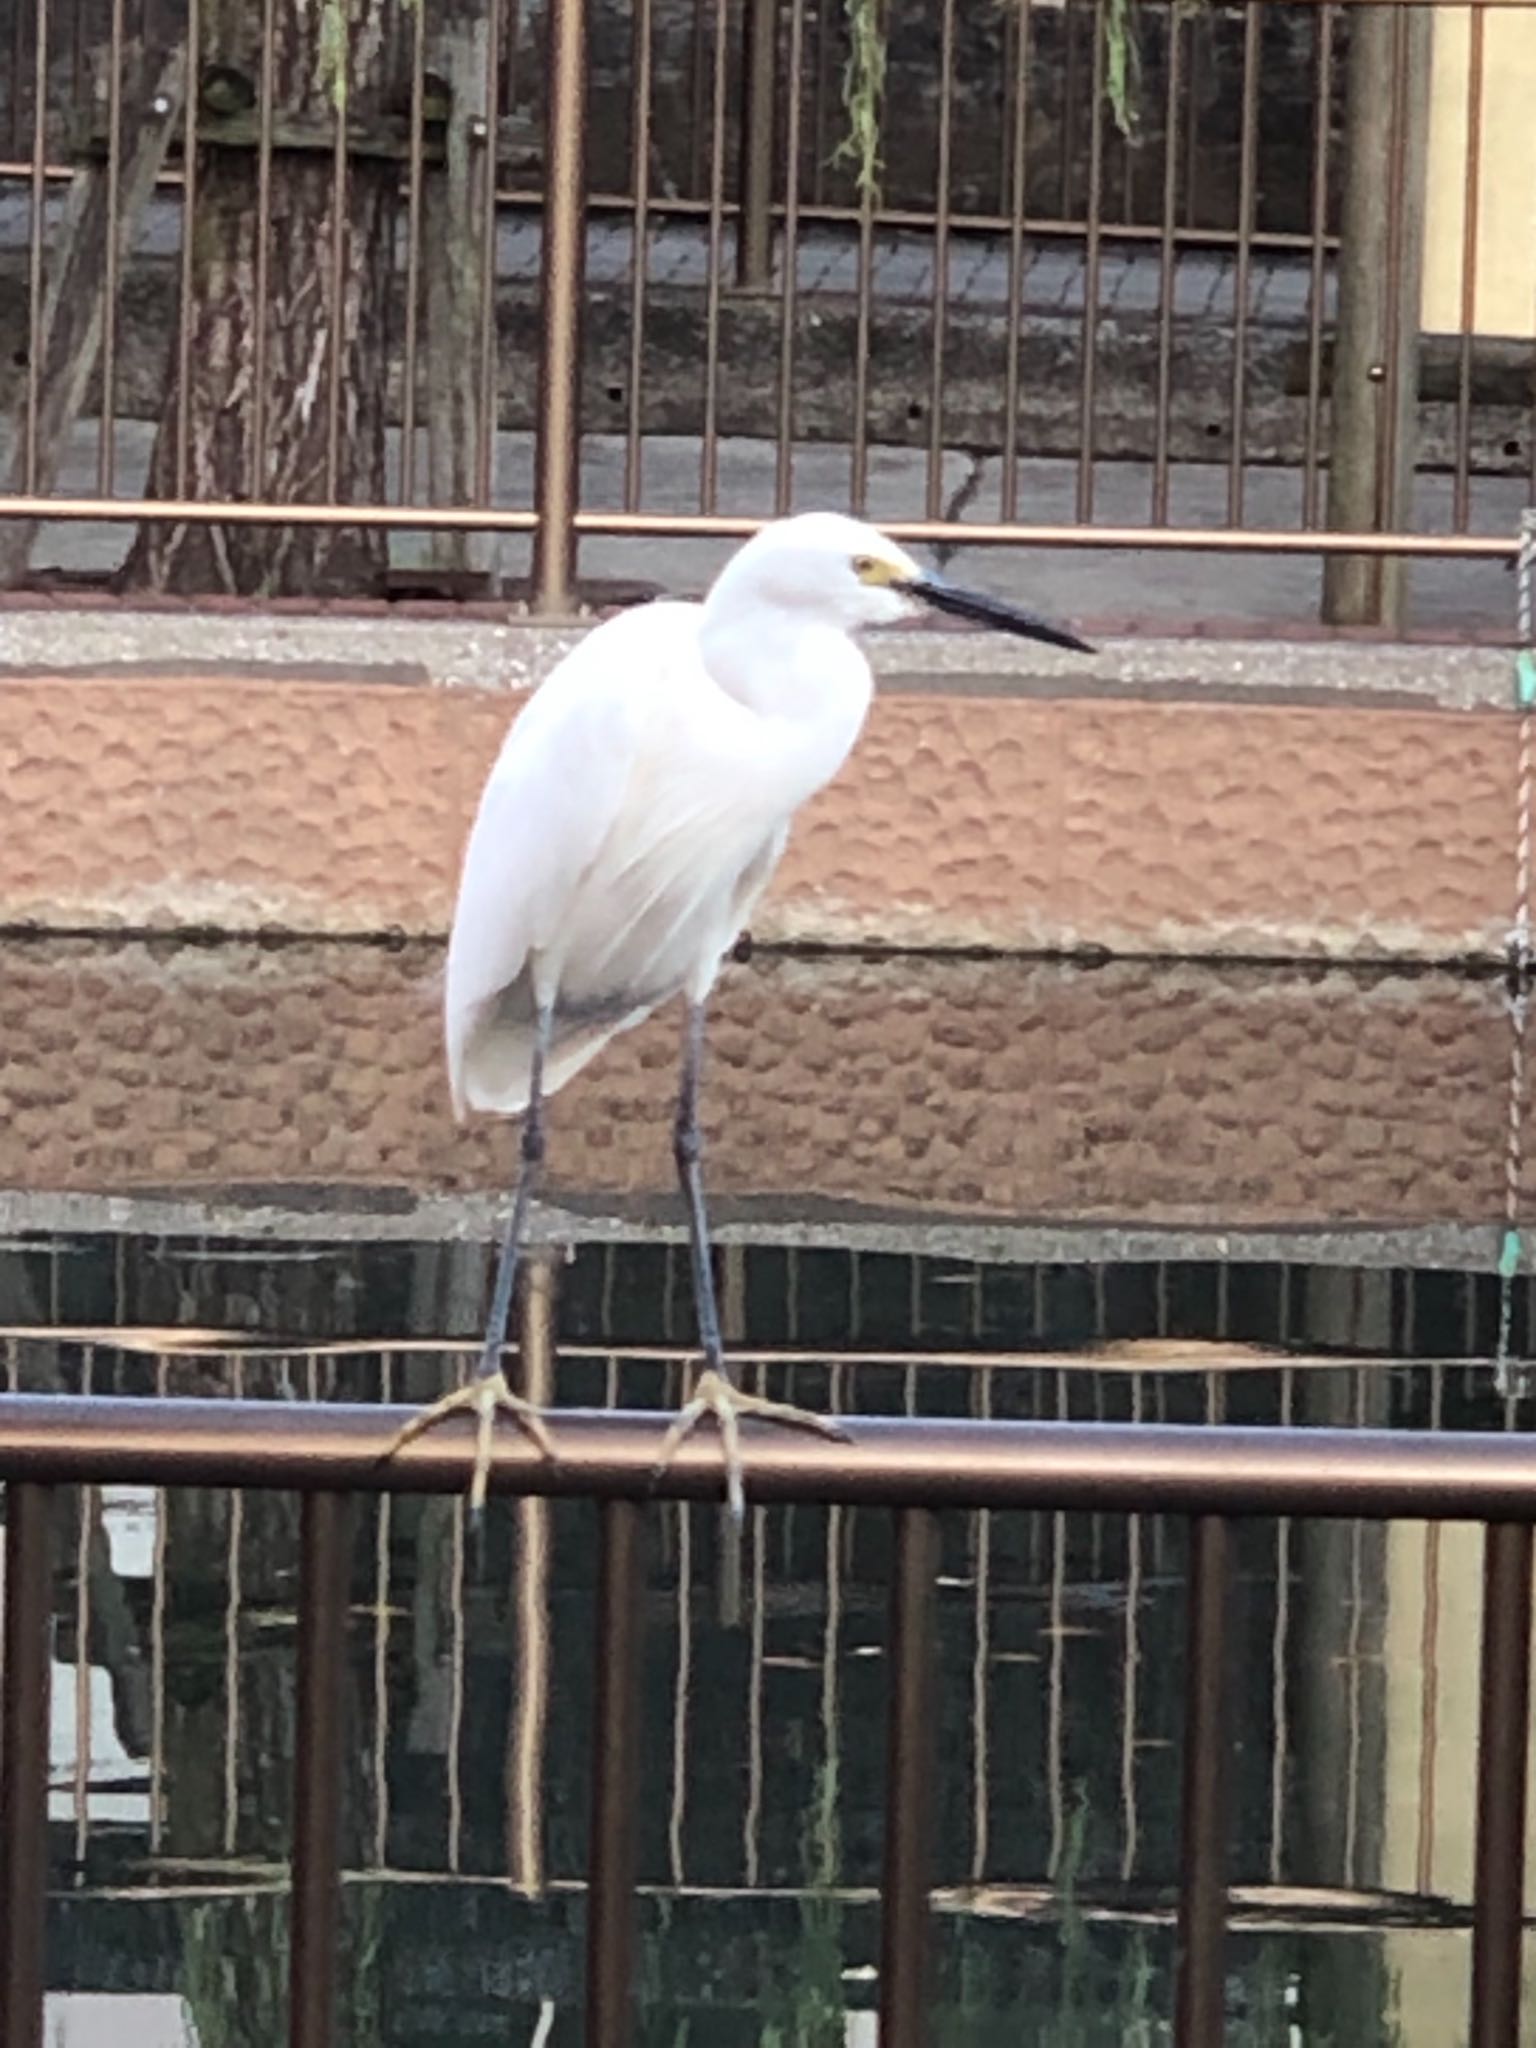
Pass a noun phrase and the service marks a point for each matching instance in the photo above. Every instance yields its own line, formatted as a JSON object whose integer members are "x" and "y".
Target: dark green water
{"x": 762, "y": 1745}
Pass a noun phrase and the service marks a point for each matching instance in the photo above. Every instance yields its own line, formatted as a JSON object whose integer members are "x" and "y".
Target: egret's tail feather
{"x": 497, "y": 1066}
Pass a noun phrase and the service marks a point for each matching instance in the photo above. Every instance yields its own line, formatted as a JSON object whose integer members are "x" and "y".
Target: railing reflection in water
{"x": 1054, "y": 1620}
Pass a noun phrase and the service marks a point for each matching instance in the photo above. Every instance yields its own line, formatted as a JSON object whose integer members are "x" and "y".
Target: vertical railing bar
{"x": 106, "y": 452}
{"x": 1498, "y": 1890}
{"x": 760, "y": 59}
{"x": 1461, "y": 492}
{"x": 527, "y": 1734}
{"x": 24, "y": 1720}
{"x": 640, "y": 176}
{"x": 709, "y": 454}
{"x": 1092, "y": 258}
{"x": 232, "y": 1645}
{"x": 1247, "y": 185}
{"x": 36, "y": 195}
{"x": 263, "y": 229}
{"x": 682, "y": 1692}
{"x": 910, "y": 1748}
{"x": 157, "y": 1640}
{"x": 85, "y": 1504}
{"x": 454, "y": 1761}
{"x": 416, "y": 164}
{"x": 752, "y": 1816}
{"x": 615, "y": 1779}
{"x": 1018, "y": 185}
{"x": 1167, "y": 268}
{"x": 1055, "y": 1724}
{"x": 339, "y": 198}
{"x": 487, "y": 420}
{"x": 864, "y": 294}
{"x": 1131, "y": 1666}
{"x": 381, "y": 1632}
{"x": 562, "y": 265}
{"x": 934, "y": 500}
{"x": 981, "y": 1657}
{"x": 1201, "y": 1981}
{"x": 185, "y": 297}
{"x": 317, "y": 1771}
{"x": 1280, "y": 1648}
{"x": 1322, "y": 102}
{"x": 784, "y": 480}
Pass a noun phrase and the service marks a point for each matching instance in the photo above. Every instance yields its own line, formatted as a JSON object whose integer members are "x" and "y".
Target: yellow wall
{"x": 1505, "y": 273}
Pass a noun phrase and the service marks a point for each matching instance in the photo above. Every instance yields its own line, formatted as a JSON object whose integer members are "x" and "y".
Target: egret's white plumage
{"x": 633, "y": 817}
{"x": 642, "y": 800}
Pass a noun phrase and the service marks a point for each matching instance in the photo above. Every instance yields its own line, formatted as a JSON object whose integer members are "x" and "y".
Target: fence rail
{"x": 1210, "y": 1474}
{"x": 576, "y": 273}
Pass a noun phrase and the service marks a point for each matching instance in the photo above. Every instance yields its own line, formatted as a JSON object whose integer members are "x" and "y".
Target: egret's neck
{"x": 797, "y": 671}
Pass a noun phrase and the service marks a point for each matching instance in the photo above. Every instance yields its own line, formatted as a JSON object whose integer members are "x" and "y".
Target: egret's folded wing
{"x": 549, "y": 802}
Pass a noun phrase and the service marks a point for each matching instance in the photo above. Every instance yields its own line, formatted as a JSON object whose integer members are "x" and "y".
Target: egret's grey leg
{"x": 687, "y": 1149}
{"x": 714, "y": 1394}
{"x": 488, "y": 1393}
{"x": 530, "y": 1170}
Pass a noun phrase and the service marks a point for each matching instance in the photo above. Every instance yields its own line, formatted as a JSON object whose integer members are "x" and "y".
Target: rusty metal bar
{"x": 784, "y": 454}
{"x": 1499, "y": 1882}
{"x": 24, "y": 1766}
{"x": 36, "y": 172}
{"x": 317, "y": 1771}
{"x": 1322, "y": 102}
{"x": 1258, "y": 540}
{"x": 760, "y": 58}
{"x": 185, "y": 296}
{"x": 562, "y": 263}
{"x": 905, "y": 1934}
{"x": 1201, "y": 1985}
{"x": 1167, "y": 268}
{"x": 709, "y": 454}
{"x": 488, "y": 411}
{"x": 1461, "y": 500}
{"x": 615, "y": 1780}
{"x": 889, "y": 1460}
{"x": 413, "y": 212}
{"x": 1092, "y": 262}
{"x": 933, "y": 504}
{"x": 640, "y": 177}
{"x": 111, "y": 279}
{"x": 1017, "y": 194}
{"x": 1247, "y": 191}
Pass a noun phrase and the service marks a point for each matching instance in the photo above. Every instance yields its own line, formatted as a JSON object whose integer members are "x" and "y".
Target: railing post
{"x": 317, "y": 1772}
{"x": 1498, "y": 1890}
{"x": 1200, "y": 2016}
{"x": 562, "y": 277}
{"x": 615, "y": 1781}
{"x": 760, "y": 59}
{"x": 1374, "y": 398}
{"x": 24, "y": 1767}
{"x": 905, "y": 1933}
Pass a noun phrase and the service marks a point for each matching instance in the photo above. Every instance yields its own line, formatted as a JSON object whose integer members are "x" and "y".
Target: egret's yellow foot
{"x": 713, "y": 1395}
{"x": 485, "y": 1397}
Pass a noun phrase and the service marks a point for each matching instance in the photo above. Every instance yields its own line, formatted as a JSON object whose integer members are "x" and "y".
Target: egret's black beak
{"x": 991, "y": 611}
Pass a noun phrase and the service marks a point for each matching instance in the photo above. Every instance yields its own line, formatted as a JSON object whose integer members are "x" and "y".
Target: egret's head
{"x": 830, "y": 570}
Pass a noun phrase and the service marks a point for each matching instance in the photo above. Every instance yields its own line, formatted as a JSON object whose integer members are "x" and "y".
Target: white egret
{"x": 634, "y": 816}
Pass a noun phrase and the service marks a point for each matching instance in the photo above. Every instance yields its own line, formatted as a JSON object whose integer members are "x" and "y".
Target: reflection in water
{"x": 469, "y": 1679}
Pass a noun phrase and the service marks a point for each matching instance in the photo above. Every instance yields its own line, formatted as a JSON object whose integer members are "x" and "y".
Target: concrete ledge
{"x": 1017, "y": 812}
{"x": 983, "y": 1103}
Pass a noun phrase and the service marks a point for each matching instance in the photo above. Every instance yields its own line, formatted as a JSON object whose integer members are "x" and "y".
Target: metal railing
{"x": 722, "y": 277}
{"x": 1211, "y": 1475}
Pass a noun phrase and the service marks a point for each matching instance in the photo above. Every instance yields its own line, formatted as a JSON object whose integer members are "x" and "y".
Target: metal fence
{"x": 1065, "y": 273}
{"x": 911, "y": 1468}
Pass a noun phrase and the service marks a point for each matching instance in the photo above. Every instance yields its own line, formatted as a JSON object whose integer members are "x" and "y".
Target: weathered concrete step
{"x": 1022, "y": 813}
{"x": 977, "y": 1098}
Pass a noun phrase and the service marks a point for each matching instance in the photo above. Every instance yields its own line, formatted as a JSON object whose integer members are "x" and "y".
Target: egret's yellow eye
{"x": 871, "y": 569}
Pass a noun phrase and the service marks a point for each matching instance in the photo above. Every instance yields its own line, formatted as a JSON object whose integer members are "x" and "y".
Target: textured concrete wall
{"x": 1312, "y": 830}
{"x": 1185, "y": 1096}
